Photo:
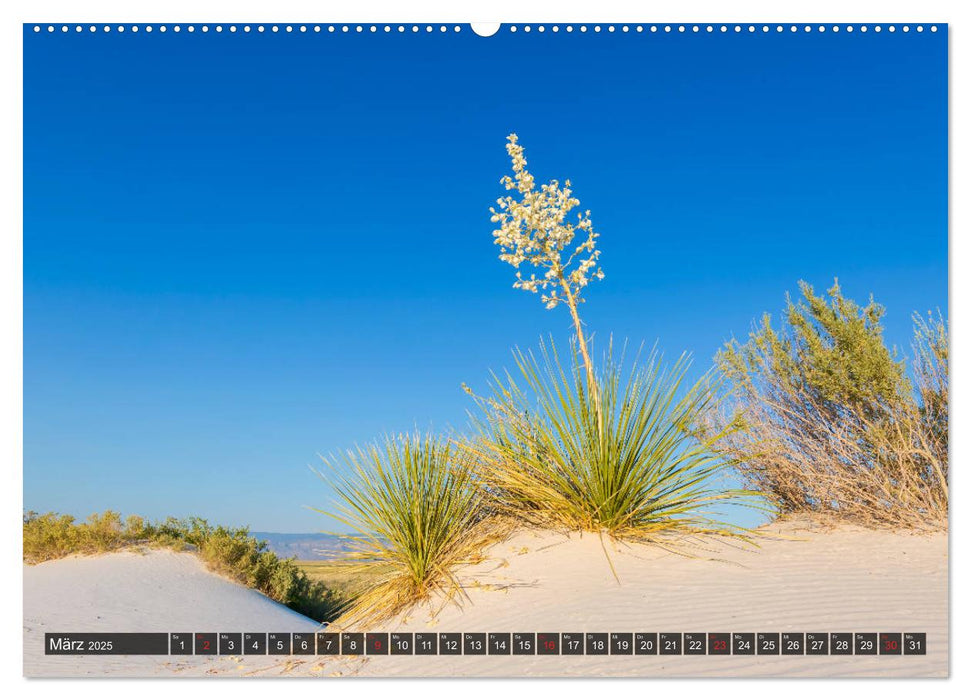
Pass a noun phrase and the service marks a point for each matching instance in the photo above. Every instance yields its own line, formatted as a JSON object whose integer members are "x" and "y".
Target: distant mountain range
{"x": 303, "y": 546}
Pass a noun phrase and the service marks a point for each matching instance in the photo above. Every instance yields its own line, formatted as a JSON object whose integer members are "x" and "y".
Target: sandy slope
{"x": 815, "y": 581}
{"x": 153, "y": 591}
{"x": 842, "y": 581}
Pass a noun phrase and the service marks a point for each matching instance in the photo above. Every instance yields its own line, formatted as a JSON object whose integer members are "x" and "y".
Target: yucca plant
{"x": 616, "y": 452}
{"x": 414, "y": 509}
{"x": 627, "y": 462}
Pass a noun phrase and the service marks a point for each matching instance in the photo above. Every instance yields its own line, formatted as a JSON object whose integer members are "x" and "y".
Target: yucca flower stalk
{"x": 535, "y": 229}
{"x": 413, "y": 507}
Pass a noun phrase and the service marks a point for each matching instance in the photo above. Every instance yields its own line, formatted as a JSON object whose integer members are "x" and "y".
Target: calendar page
{"x": 495, "y": 350}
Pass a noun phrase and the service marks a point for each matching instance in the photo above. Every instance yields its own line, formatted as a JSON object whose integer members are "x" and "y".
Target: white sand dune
{"x": 846, "y": 580}
{"x": 837, "y": 581}
{"x": 150, "y": 591}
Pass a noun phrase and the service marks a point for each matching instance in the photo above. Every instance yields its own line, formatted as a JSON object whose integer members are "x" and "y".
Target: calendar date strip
{"x": 488, "y": 643}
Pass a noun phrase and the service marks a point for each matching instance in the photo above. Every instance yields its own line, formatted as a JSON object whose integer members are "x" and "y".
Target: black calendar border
{"x": 632, "y": 644}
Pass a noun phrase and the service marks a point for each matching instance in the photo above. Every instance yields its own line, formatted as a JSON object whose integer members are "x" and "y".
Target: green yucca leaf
{"x": 628, "y": 461}
{"x": 415, "y": 507}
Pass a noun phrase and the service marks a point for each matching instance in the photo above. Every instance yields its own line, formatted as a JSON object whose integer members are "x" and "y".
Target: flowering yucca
{"x": 612, "y": 453}
{"x": 535, "y": 229}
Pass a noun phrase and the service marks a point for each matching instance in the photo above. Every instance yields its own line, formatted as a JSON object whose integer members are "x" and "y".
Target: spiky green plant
{"x": 414, "y": 508}
{"x": 639, "y": 472}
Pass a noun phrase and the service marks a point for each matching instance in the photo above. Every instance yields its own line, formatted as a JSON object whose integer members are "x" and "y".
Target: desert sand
{"x": 138, "y": 591}
{"x": 799, "y": 579}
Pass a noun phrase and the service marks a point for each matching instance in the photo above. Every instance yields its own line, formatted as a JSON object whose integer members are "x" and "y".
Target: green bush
{"x": 832, "y": 424}
{"x": 50, "y": 536}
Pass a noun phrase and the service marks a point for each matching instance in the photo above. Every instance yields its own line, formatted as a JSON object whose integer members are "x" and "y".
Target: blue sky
{"x": 242, "y": 250}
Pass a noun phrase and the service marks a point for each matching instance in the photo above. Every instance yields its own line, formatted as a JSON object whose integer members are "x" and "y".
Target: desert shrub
{"x": 830, "y": 423}
{"x": 231, "y": 552}
{"x": 235, "y": 554}
{"x": 136, "y": 528}
{"x": 626, "y": 460}
{"x": 50, "y": 536}
{"x": 931, "y": 372}
{"x": 415, "y": 508}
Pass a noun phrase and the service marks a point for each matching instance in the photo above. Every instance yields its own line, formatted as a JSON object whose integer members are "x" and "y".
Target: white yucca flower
{"x": 534, "y": 228}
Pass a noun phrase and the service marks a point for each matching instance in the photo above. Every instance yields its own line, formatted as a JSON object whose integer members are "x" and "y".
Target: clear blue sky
{"x": 242, "y": 250}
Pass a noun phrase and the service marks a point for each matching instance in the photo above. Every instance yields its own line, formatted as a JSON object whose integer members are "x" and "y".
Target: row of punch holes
{"x": 483, "y": 30}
